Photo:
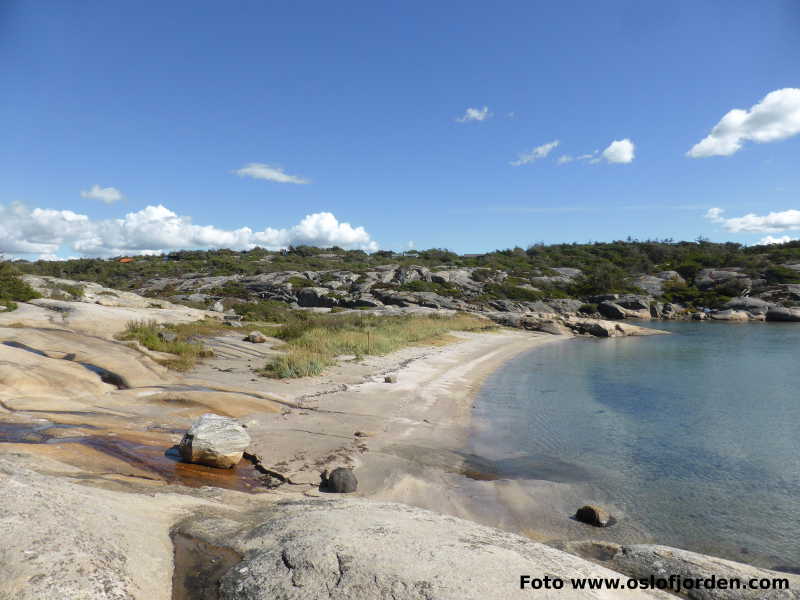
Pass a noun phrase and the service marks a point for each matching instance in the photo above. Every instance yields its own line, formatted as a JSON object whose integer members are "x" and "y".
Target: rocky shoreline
{"x": 96, "y": 506}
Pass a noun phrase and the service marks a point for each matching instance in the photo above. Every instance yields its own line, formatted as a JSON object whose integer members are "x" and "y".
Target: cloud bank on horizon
{"x": 774, "y": 222}
{"x": 156, "y": 229}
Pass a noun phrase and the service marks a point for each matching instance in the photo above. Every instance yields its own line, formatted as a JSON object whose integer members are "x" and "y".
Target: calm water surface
{"x": 695, "y": 435}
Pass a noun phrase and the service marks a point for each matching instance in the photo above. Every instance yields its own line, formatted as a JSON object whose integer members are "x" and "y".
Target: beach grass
{"x": 313, "y": 342}
{"x": 186, "y": 349}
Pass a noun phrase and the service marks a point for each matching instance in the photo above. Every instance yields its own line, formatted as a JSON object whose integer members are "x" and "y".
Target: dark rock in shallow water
{"x": 594, "y": 515}
{"x": 340, "y": 481}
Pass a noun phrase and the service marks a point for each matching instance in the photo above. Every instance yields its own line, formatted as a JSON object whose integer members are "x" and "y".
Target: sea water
{"x": 695, "y": 436}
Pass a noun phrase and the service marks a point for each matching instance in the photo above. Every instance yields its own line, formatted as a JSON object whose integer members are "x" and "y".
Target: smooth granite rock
{"x": 362, "y": 550}
{"x": 641, "y": 561}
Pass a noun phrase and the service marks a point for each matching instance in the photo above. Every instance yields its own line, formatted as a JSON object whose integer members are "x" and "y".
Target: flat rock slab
{"x": 360, "y": 550}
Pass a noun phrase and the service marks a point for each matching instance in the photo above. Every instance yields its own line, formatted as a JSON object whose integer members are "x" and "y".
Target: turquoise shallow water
{"x": 695, "y": 435}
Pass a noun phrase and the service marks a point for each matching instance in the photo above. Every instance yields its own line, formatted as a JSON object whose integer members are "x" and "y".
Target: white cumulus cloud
{"x": 774, "y": 222}
{"x": 776, "y": 117}
{"x": 109, "y": 195}
{"x": 535, "y": 154}
{"x": 156, "y": 229}
{"x": 769, "y": 240}
{"x": 269, "y": 173}
{"x": 620, "y": 151}
{"x": 475, "y": 114}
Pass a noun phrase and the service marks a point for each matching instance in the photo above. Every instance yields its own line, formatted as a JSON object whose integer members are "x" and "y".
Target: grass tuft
{"x": 313, "y": 342}
{"x": 187, "y": 351}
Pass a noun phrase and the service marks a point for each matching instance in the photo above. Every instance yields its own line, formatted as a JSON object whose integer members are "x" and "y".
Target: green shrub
{"x": 429, "y": 286}
{"x": 12, "y": 288}
{"x": 588, "y": 309}
{"x": 781, "y": 274}
{"x": 65, "y": 291}
{"x": 603, "y": 278}
{"x": 300, "y": 282}
{"x": 269, "y": 311}
{"x": 692, "y": 297}
{"x": 510, "y": 291}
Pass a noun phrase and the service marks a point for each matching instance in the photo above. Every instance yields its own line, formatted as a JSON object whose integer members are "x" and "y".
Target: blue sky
{"x": 353, "y": 109}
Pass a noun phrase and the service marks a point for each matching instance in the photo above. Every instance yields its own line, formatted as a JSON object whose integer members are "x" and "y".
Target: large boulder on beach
{"x": 215, "y": 441}
{"x": 365, "y": 550}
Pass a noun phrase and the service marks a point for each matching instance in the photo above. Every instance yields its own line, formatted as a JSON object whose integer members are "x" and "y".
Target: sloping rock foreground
{"x": 98, "y": 310}
{"x": 62, "y": 538}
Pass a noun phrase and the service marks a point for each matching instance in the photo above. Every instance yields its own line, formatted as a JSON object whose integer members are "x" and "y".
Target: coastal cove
{"x": 689, "y": 438}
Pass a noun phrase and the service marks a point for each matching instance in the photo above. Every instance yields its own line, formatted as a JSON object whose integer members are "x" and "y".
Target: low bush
{"x": 12, "y": 288}
{"x": 269, "y": 311}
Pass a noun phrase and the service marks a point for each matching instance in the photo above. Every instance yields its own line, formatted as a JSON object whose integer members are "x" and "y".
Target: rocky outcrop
{"x": 654, "y": 284}
{"x": 570, "y": 325}
{"x": 215, "y": 441}
{"x": 360, "y": 550}
{"x": 729, "y": 315}
{"x": 64, "y": 540}
{"x": 561, "y": 276}
{"x": 778, "y": 313}
{"x": 465, "y": 289}
{"x": 97, "y": 319}
{"x": 751, "y": 305}
{"x": 613, "y": 310}
{"x": 713, "y": 278}
{"x": 642, "y": 561}
{"x": 601, "y": 328}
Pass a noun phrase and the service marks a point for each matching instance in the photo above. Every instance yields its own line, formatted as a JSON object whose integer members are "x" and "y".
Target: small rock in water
{"x": 390, "y": 379}
{"x": 340, "y": 481}
{"x": 256, "y": 337}
{"x": 215, "y": 441}
{"x": 593, "y": 515}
